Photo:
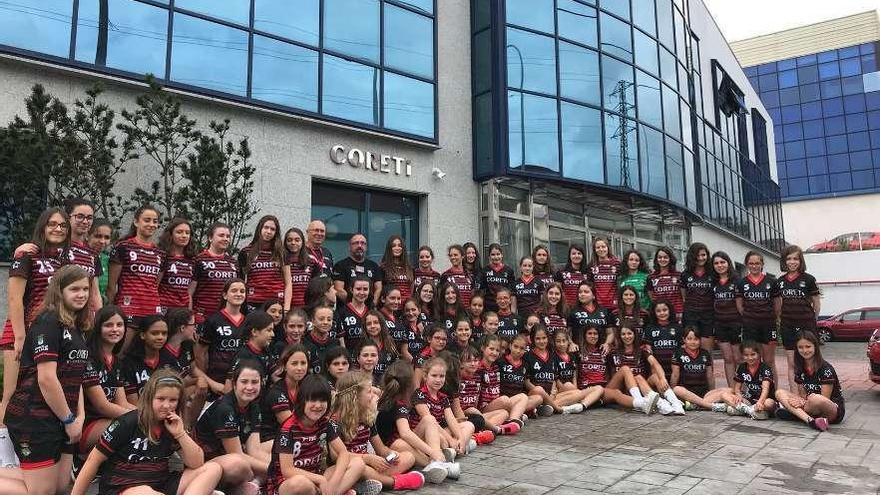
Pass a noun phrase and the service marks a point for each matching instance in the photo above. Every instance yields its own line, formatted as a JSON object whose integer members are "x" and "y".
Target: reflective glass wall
{"x": 371, "y": 63}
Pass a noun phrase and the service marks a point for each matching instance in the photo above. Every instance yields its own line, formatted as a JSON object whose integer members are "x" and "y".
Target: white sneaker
{"x": 575, "y": 408}
{"x": 745, "y": 409}
{"x": 545, "y": 410}
{"x": 733, "y": 411}
{"x": 651, "y": 402}
{"x": 471, "y": 446}
{"x": 368, "y": 487}
{"x": 453, "y": 470}
{"x": 449, "y": 454}
{"x": 677, "y": 408}
{"x": 719, "y": 407}
{"x": 435, "y": 472}
{"x": 524, "y": 418}
{"x": 664, "y": 407}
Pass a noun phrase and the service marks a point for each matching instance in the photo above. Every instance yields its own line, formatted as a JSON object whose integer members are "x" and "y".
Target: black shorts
{"x": 703, "y": 321}
{"x": 731, "y": 334}
{"x": 763, "y": 334}
{"x": 40, "y": 449}
{"x": 478, "y": 421}
{"x": 698, "y": 390}
{"x": 170, "y": 487}
{"x": 791, "y": 332}
{"x": 841, "y": 412}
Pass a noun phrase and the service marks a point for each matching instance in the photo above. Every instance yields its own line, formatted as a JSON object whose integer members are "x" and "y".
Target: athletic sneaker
{"x": 412, "y": 480}
{"x": 651, "y": 402}
{"x": 820, "y": 424}
{"x": 759, "y": 415}
{"x": 677, "y": 408}
{"x": 453, "y": 470}
{"x": 449, "y": 454}
{"x": 368, "y": 487}
{"x": 719, "y": 407}
{"x": 783, "y": 413}
{"x": 545, "y": 410}
{"x": 217, "y": 492}
{"x": 690, "y": 406}
{"x": 664, "y": 407}
{"x": 575, "y": 408}
{"x": 744, "y": 409}
{"x": 435, "y": 472}
{"x": 484, "y": 437}
{"x": 518, "y": 422}
{"x": 471, "y": 446}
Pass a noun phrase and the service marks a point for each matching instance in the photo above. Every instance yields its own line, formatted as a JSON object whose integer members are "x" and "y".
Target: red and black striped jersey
{"x": 753, "y": 380}
{"x": 362, "y": 435}
{"x": 132, "y": 458}
{"x": 567, "y": 367}
{"x": 300, "y": 276}
{"x": 664, "y": 341}
{"x": 308, "y": 446}
{"x": 463, "y": 281}
{"x": 603, "y": 275}
{"x": 692, "y": 367}
{"x": 797, "y": 299}
{"x": 423, "y": 357}
{"x": 541, "y": 369}
{"x": 637, "y": 362}
{"x": 264, "y": 276}
{"x": 570, "y": 280}
{"x": 553, "y": 322}
{"x": 277, "y": 399}
{"x": 177, "y": 274}
{"x": 512, "y": 375}
{"x": 633, "y": 321}
{"x": 666, "y": 287}
{"x": 592, "y": 368}
{"x": 104, "y": 374}
{"x": 399, "y": 278}
{"x": 136, "y": 370}
{"x": 528, "y": 292}
{"x": 437, "y": 406}
{"x": 222, "y": 333}
{"x": 697, "y": 286}
{"x": 320, "y": 261}
{"x": 546, "y": 278}
{"x": 137, "y": 290}
{"x": 757, "y": 295}
{"x": 225, "y": 419}
{"x": 490, "y": 383}
{"x": 84, "y": 257}
{"x": 724, "y": 292}
{"x": 493, "y": 279}
{"x": 211, "y": 274}
{"x": 420, "y": 276}
{"x": 469, "y": 391}
{"x": 37, "y": 270}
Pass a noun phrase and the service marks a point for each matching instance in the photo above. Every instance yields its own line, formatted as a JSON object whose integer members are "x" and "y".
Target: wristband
{"x": 69, "y": 419}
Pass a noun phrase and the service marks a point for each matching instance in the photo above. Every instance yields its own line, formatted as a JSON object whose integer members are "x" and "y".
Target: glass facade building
{"x": 826, "y": 112}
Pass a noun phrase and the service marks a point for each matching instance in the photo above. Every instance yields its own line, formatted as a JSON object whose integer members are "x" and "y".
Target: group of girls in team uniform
{"x": 251, "y": 371}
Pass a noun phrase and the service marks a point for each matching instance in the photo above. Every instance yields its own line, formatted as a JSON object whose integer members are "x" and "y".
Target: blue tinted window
{"x": 541, "y": 134}
{"x": 798, "y": 187}
{"x": 814, "y": 147}
{"x": 577, "y": 22}
{"x": 664, "y": 24}
{"x": 770, "y": 99}
{"x": 409, "y": 105}
{"x": 671, "y": 119}
{"x": 38, "y": 26}
{"x": 858, "y": 141}
{"x": 794, "y": 150}
{"x": 813, "y": 128}
{"x": 534, "y": 14}
{"x": 834, "y": 125}
{"x": 350, "y": 90}
{"x": 866, "y": 48}
{"x": 285, "y": 74}
{"x": 792, "y": 132}
{"x": 648, "y": 91}
{"x": 832, "y": 107}
{"x": 426, "y": 6}
{"x": 237, "y": 11}
{"x": 872, "y": 100}
{"x": 409, "y": 42}
{"x": 750, "y": 71}
{"x": 643, "y": 16}
{"x": 791, "y": 114}
{"x": 617, "y": 167}
{"x": 618, "y": 7}
{"x": 836, "y": 144}
{"x": 582, "y": 143}
{"x": 819, "y": 185}
{"x": 806, "y": 60}
{"x": 788, "y": 79}
{"x": 869, "y": 63}
{"x": 841, "y": 182}
{"x": 531, "y": 61}
{"x": 796, "y": 168}
{"x": 136, "y": 43}
{"x": 768, "y": 68}
{"x": 674, "y": 171}
{"x": 850, "y": 67}
{"x": 827, "y": 56}
{"x": 850, "y": 51}
{"x": 856, "y": 122}
{"x": 809, "y": 92}
{"x": 209, "y": 55}
{"x": 680, "y": 47}
{"x": 875, "y": 140}
{"x": 617, "y": 79}
{"x": 863, "y": 180}
{"x": 874, "y": 120}
{"x": 786, "y": 64}
{"x": 273, "y": 16}
{"x": 781, "y": 171}
{"x": 854, "y": 103}
{"x": 579, "y": 73}
{"x": 811, "y": 110}
{"x": 852, "y": 85}
{"x": 817, "y": 165}
{"x": 860, "y": 160}
{"x": 809, "y": 74}
{"x": 687, "y": 137}
{"x": 830, "y": 89}
{"x": 352, "y": 27}
{"x": 789, "y": 96}
{"x": 829, "y": 70}
{"x": 768, "y": 81}
{"x": 646, "y": 53}
{"x": 652, "y": 161}
{"x": 668, "y": 68}
{"x": 615, "y": 37}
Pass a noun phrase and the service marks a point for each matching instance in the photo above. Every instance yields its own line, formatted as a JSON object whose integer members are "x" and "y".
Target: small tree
{"x": 221, "y": 182}
{"x": 159, "y": 130}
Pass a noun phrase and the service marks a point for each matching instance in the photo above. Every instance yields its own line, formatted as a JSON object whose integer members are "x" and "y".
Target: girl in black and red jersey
{"x": 45, "y": 414}
{"x": 214, "y": 267}
{"x": 181, "y": 344}
{"x": 542, "y": 368}
{"x": 300, "y": 268}
{"x": 264, "y": 265}
{"x": 390, "y": 306}
{"x": 496, "y": 276}
{"x": 663, "y": 336}
{"x": 395, "y": 265}
{"x": 512, "y": 373}
{"x": 177, "y": 267}
{"x": 350, "y": 317}
{"x": 543, "y": 265}
{"x": 472, "y": 262}
{"x": 425, "y": 271}
{"x": 29, "y": 277}
{"x": 693, "y": 379}
{"x": 277, "y": 403}
{"x": 664, "y": 283}
{"x": 727, "y": 319}
{"x": 437, "y": 339}
{"x": 477, "y": 315}
{"x": 510, "y": 324}
{"x": 145, "y": 354}
{"x": 102, "y": 383}
{"x": 319, "y": 340}
{"x": 354, "y": 413}
{"x": 527, "y": 288}
{"x": 754, "y": 301}
{"x": 633, "y": 271}
{"x": 646, "y": 371}
{"x": 587, "y": 312}
{"x": 696, "y": 290}
{"x": 220, "y": 337}
{"x": 753, "y": 388}
{"x": 461, "y": 337}
{"x": 629, "y": 312}
{"x": 134, "y": 451}
{"x": 366, "y": 357}
{"x": 135, "y": 267}
{"x": 797, "y": 303}
{"x": 424, "y": 293}
{"x": 574, "y": 272}
{"x": 377, "y": 330}
{"x": 293, "y": 327}
{"x": 819, "y": 398}
{"x": 457, "y": 276}
{"x": 553, "y": 311}
{"x": 257, "y": 335}
{"x": 596, "y": 371}
{"x": 335, "y": 364}
{"x": 572, "y": 398}
{"x": 449, "y": 307}
{"x": 228, "y": 431}
{"x": 415, "y": 328}
{"x": 466, "y": 398}
{"x": 603, "y": 270}
{"x": 429, "y": 400}
{"x": 275, "y": 309}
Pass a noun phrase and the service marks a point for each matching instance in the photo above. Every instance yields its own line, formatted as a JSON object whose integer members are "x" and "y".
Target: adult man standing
{"x": 356, "y": 265}
{"x": 320, "y": 259}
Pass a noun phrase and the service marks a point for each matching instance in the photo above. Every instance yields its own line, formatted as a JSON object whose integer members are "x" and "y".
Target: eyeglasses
{"x": 79, "y": 217}
{"x": 57, "y": 225}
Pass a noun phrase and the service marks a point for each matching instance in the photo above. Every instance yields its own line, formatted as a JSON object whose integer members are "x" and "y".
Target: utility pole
{"x": 624, "y": 127}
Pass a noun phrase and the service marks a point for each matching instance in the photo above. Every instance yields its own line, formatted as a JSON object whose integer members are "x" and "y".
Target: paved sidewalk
{"x": 611, "y": 451}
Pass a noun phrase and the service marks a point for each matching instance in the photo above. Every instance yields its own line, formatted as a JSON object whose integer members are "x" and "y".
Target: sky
{"x": 741, "y": 19}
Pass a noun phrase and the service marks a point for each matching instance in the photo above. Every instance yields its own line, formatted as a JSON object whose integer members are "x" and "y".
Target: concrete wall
{"x": 847, "y": 280}
{"x": 717, "y": 240}
{"x": 811, "y": 221}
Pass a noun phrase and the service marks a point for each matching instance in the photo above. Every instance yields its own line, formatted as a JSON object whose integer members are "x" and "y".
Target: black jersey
{"x": 104, "y": 374}
{"x": 494, "y": 278}
{"x": 222, "y": 333}
{"x": 664, "y": 341}
{"x": 386, "y": 421}
{"x": 528, "y": 295}
{"x": 477, "y": 330}
{"x": 823, "y": 375}
{"x": 308, "y": 445}
{"x": 757, "y": 298}
{"x": 347, "y": 270}
{"x": 278, "y": 398}
{"x": 636, "y": 361}
{"x": 724, "y": 293}
{"x": 509, "y": 326}
{"x": 136, "y": 370}
{"x": 541, "y": 371}
{"x": 567, "y": 367}
{"x": 422, "y": 357}
{"x": 415, "y": 342}
{"x": 797, "y": 304}
{"x": 580, "y": 318}
{"x": 692, "y": 368}
{"x": 752, "y": 382}
{"x": 185, "y": 356}
{"x": 396, "y": 328}
{"x": 386, "y": 359}
{"x": 697, "y": 288}
{"x": 317, "y": 350}
{"x": 224, "y": 419}
{"x": 350, "y": 324}
{"x": 132, "y": 458}
{"x": 249, "y": 352}
{"x": 512, "y": 376}
{"x": 592, "y": 368}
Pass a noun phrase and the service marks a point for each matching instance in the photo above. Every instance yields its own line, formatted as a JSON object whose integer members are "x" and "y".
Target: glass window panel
{"x": 869, "y": 63}
{"x": 836, "y": 144}
{"x": 858, "y": 141}
{"x": 137, "y": 36}
{"x": 786, "y": 64}
{"x": 794, "y": 150}
{"x": 863, "y": 180}
{"x": 680, "y": 48}
{"x": 621, "y": 151}
{"x": 538, "y": 122}
{"x": 690, "y": 180}
{"x": 874, "y": 121}
{"x": 686, "y": 136}
{"x": 483, "y": 137}
{"x": 788, "y": 78}
{"x": 273, "y": 16}
{"x": 813, "y": 128}
{"x": 860, "y": 160}
{"x": 817, "y": 165}
{"x": 791, "y": 114}
{"x": 481, "y": 51}
{"x": 664, "y": 24}
{"x": 682, "y": 80}
{"x": 809, "y": 92}
{"x": 770, "y": 99}
{"x": 577, "y": 22}
{"x": 350, "y": 90}
{"x": 796, "y": 168}
{"x": 789, "y": 96}
{"x": 409, "y": 42}
{"x": 834, "y": 126}
{"x": 352, "y": 27}
{"x": 849, "y": 51}
{"x": 238, "y": 11}
{"x": 38, "y": 26}
{"x": 852, "y": 85}
{"x": 616, "y": 37}
{"x": 646, "y": 53}
{"x": 285, "y": 74}
{"x": 829, "y": 70}
{"x": 668, "y": 68}
{"x": 209, "y": 55}
{"x": 806, "y": 60}
{"x": 768, "y": 68}
{"x": 618, "y": 7}
{"x": 674, "y": 171}
{"x": 768, "y": 81}
{"x": 671, "y": 120}
{"x": 652, "y": 161}
{"x": 827, "y": 56}
{"x": 643, "y": 16}
{"x": 426, "y": 6}
{"x": 617, "y": 85}
{"x": 857, "y": 122}
{"x": 409, "y": 105}
{"x": 830, "y": 89}
{"x": 814, "y": 147}
{"x": 582, "y": 143}
{"x": 838, "y": 163}
{"x": 648, "y": 91}
{"x": 841, "y": 182}
{"x": 850, "y": 67}
{"x": 854, "y": 103}
{"x": 819, "y": 184}
{"x": 534, "y": 14}
{"x": 579, "y": 73}
{"x": 792, "y": 132}
{"x": 809, "y": 74}
{"x": 798, "y": 187}
{"x": 531, "y": 61}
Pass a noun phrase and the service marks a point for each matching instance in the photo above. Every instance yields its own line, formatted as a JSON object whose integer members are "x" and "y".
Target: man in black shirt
{"x": 357, "y": 264}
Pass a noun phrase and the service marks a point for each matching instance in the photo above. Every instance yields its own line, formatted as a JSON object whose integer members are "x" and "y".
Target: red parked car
{"x": 857, "y": 324}
{"x": 874, "y": 356}
{"x": 853, "y": 241}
